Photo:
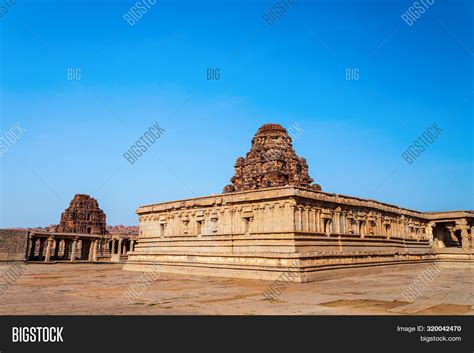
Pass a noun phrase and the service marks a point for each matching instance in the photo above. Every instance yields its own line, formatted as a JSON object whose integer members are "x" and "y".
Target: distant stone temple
{"x": 82, "y": 216}
{"x": 270, "y": 162}
{"x": 81, "y": 236}
{"x": 273, "y": 220}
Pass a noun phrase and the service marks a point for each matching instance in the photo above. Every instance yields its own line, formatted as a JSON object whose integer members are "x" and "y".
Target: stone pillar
{"x": 73, "y": 250}
{"x": 462, "y": 225}
{"x": 94, "y": 251}
{"x": 306, "y": 219}
{"x": 378, "y": 226}
{"x": 466, "y": 244}
{"x": 302, "y": 219}
{"x": 33, "y": 248}
{"x": 259, "y": 219}
{"x": 342, "y": 222}
{"x": 402, "y": 227}
{"x": 292, "y": 218}
{"x": 29, "y": 241}
{"x": 298, "y": 214}
{"x": 256, "y": 226}
{"x": 132, "y": 243}
{"x": 91, "y": 249}
{"x": 232, "y": 221}
{"x": 100, "y": 246}
{"x": 47, "y": 258}
{"x": 312, "y": 218}
{"x": 120, "y": 247}
{"x": 318, "y": 221}
{"x": 429, "y": 232}
{"x": 335, "y": 227}
{"x": 472, "y": 237}
{"x": 79, "y": 246}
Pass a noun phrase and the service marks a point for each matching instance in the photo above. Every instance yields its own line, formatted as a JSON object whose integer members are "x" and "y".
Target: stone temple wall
{"x": 272, "y": 219}
{"x": 263, "y": 233}
{"x": 13, "y": 244}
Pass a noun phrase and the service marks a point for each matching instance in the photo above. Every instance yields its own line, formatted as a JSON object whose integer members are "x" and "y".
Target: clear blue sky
{"x": 291, "y": 72}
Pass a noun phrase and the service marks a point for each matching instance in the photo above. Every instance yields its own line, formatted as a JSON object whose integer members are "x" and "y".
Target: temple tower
{"x": 82, "y": 216}
{"x": 270, "y": 162}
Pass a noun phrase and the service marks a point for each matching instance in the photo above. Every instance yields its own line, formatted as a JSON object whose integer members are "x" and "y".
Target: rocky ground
{"x": 98, "y": 289}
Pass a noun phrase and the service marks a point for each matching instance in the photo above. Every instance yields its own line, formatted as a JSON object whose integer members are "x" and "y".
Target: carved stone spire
{"x": 82, "y": 216}
{"x": 270, "y": 162}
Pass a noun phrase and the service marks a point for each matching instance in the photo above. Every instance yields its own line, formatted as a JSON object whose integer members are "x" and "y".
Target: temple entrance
{"x": 448, "y": 235}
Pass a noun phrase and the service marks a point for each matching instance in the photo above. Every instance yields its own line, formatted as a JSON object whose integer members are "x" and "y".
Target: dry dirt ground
{"x": 98, "y": 289}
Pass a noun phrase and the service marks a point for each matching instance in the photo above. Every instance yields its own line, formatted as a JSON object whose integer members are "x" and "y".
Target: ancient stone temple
{"x": 82, "y": 216}
{"x": 81, "y": 236}
{"x": 272, "y": 220}
{"x": 270, "y": 162}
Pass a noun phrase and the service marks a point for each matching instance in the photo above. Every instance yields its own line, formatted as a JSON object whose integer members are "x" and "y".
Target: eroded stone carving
{"x": 270, "y": 162}
{"x": 82, "y": 216}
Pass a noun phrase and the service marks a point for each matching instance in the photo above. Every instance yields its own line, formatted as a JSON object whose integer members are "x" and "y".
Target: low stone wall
{"x": 13, "y": 244}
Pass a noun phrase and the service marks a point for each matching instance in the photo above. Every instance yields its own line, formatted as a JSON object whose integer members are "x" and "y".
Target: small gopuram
{"x": 81, "y": 235}
{"x": 82, "y": 216}
{"x": 78, "y": 237}
{"x": 272, "y": 219}
{"x": 270, "y": 162}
